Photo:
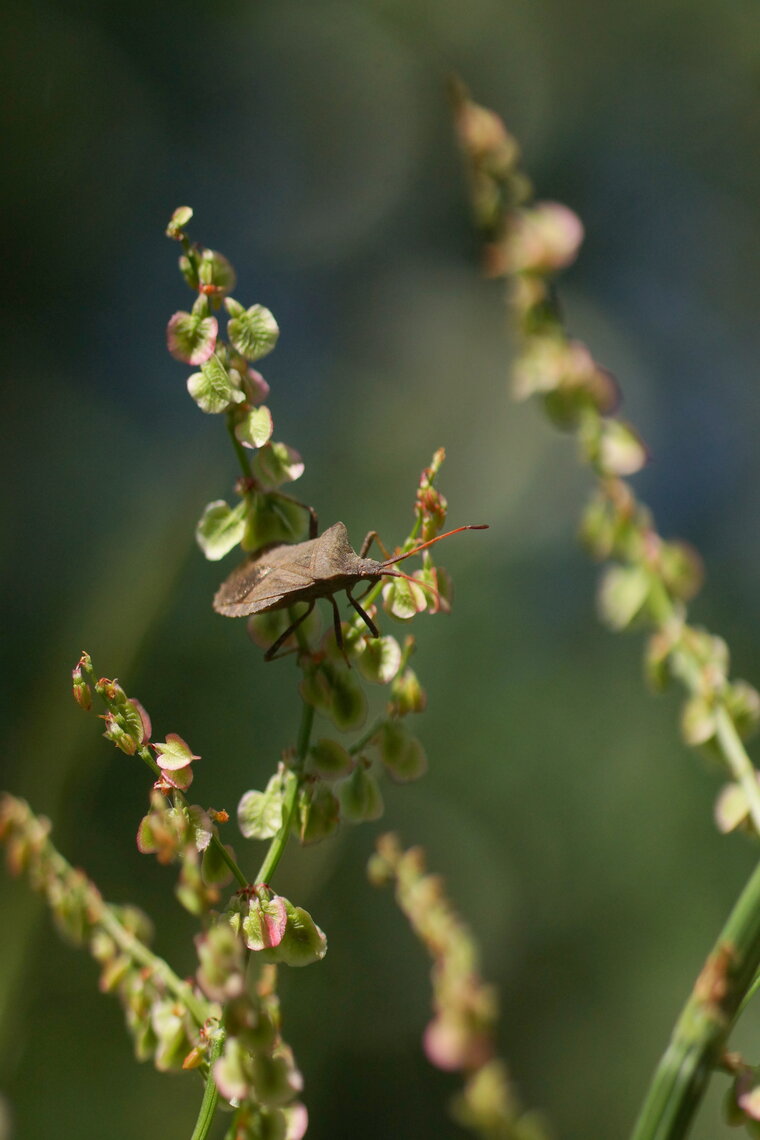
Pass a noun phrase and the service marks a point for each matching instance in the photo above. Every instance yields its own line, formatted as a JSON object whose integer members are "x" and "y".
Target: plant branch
{"x": 77, "y": 903}
{"x": 242, "y": 458}
{"x": 280, "y": 841}
{"x": 139, "y": 952}
{"x": 738, "y": 761}
{"x": 651, "y": 579}
{"x": 701, "y": 1031}
{"x": 365, "y": 738}
{"x": 211, "y": 1092}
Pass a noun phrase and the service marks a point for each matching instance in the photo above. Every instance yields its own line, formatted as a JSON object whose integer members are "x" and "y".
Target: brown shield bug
{"x": 283, "y": 575}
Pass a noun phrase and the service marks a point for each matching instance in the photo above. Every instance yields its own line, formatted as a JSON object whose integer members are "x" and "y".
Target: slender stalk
{"x": 739, "y": 762}
{"x": 280, "y": 841}
{"x": 701, "y": 1031}
{"x": 211, "y": 1092}
{"x": 304, "y": 735}
{"x": 103, "y": 915}
{"x": 139, "y": 952}
{"x": 217, "y": 844}
{"x": 242, "y": 458}
{"x": 367, "y": 736}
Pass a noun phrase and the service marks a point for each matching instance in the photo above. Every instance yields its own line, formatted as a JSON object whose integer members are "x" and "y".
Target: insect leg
{"x": 372, "y": 536}
{"x": 313, "y": 521}
{"x": 338, "y": 630}
{"x": 271, "y": 652}
{"x": 365, "y": 616}
{"x": 336, "y": 624}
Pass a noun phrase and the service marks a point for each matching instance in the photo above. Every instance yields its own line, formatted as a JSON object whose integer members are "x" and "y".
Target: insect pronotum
{"x": 286, "y": 574}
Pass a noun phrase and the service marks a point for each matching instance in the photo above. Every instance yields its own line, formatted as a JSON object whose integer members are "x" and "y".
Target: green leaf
{"x": 232, "y": 1072}
{"x": 275, "y": 1082}
{"x": 146, "y": 840}
{"x": 212, "y": 387}
{"x": 191, "y": 337}
{"x": 330, "y": 759}
{"x": 132, "y": 721}
{"x": 360, "y": 796}
{"x": 220, "y": 528}
{"x": 407, "y": 694}
{"x": 348, "y": 701}
{"x": 255, "y": 428}
{"x": 403, "y": 600}
{"x": 743, "y": 706}
{"x": 318, "y": 813}
{"x": 401, "y": 752}
{"x": 178, "y": 221}
{"x": 173, "y": 753}
{"x": 201, "y": 825}
{"x": 623, "y": 592}
{"x": 316, "y": 690}
{"x": 277, "y": 463}
{"x": 260, "y": 813}
{"x": 303, "y": 942}
{"x": 214, "y": 869}
{"x": 264, "y": 925}
{"x": 253, "y": 332}
{"x": 697, "y": 721}
{"x": 169, "y": 1027}
{"x": 271, "y": 519}
{"x": 379, "y": 659}
{"x": 621, "y": 450}
{"x": 731, "y": 808}
{"x": 215, "y": 270}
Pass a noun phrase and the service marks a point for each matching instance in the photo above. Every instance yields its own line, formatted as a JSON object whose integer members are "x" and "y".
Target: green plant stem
{"x": 738, "y": 761}
{"x": 139, "y": 952}
{"x": 700, "y": 1033}
{"x": 242, "y": 458}
{"x": 304, "y": 735}
{"x": 210, "y": 1093}
{"x": 365, "y": 738}
{"x": 280, "y": 841}
{"x": 105, "y": 917}
{"x": 734, "y": 753}
{"x": 217, "y": 844}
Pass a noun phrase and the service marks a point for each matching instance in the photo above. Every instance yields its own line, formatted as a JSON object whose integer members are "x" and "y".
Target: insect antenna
{"x": 422, "y": 546}
{"x": 430, "y": 542}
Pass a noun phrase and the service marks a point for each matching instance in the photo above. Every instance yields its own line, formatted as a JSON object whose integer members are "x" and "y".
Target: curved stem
{"x": 700, "y": 1033}
{"x": 139, "y": 952}
{"x": 211, "y": 1092}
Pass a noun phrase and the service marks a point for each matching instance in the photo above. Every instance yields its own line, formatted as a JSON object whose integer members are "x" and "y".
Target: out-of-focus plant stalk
{"x": 700, "y": 1034}
{"x": 649, "y": 582}
{"x": 211, "y": 1092}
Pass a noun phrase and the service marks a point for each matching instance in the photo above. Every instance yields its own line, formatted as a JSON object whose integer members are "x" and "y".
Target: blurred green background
{"x": 574, "y": 830}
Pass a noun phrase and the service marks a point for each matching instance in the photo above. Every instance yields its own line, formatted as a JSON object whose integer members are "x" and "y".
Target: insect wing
{"x": 265, "y": 582}
{"x": 333, "y": 554}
